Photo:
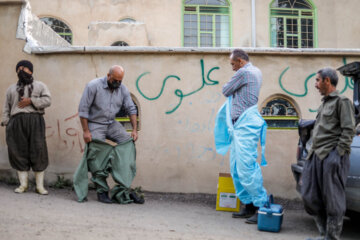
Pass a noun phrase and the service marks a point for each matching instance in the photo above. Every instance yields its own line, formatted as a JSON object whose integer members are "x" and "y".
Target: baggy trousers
{"x": 323, "y": 186}
{"x": 25, "y": 137}
{"x": 114, "y": 132}
{"x": 102, "y": 159}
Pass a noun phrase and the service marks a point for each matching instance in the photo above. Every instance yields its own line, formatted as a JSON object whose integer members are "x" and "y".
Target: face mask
{"x": 114, "y": 84}
{"x": 25, "y": 77}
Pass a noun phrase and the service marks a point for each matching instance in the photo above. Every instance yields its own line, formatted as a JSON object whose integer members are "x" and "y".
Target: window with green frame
{"x": 59, "y": 27}
{"x": 280, "y": 113}
{"x": 293, "y": 24}
{"x": 206, "y": 23}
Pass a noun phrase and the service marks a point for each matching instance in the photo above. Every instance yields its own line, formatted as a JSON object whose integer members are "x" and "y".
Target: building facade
{"x": 205, "y": 23}
{"x": 177, "y": 90}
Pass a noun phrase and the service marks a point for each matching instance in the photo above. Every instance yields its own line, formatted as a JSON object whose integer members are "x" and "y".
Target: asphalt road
{"x": 163, "y": 216}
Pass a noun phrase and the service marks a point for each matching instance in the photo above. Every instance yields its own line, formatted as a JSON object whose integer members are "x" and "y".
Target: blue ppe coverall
{"x": 242, "y": 138}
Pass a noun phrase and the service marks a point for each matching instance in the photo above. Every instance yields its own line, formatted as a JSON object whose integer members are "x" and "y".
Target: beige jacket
{"x": 40, "y": 98}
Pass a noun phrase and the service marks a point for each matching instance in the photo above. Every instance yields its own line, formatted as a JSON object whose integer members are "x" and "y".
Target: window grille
{"x": 59, "y": 27}
{"x": 293, "y": 24}
{"x": 280, "y": 113}
{"x": 206, "y": 23}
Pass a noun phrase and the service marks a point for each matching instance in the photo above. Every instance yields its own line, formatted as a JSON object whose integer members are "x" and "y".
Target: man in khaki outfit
{"x": 326, "y": 170}
{"x": 22, "y": 115}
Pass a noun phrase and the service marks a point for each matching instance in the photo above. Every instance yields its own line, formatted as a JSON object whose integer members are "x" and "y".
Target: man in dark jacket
{"x": 326, "y": 170}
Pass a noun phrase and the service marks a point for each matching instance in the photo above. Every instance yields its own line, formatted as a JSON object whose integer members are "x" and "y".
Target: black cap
{"x": 25, "y": 63}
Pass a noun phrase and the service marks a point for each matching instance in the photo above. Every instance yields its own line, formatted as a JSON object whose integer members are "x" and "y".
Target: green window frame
{"x": 59, "y": 27}
{"x": 293, "y": 24}
{"x": 125, "y": 121}
{"x": 206, "y": 23}
{"x": 280, "y": 112}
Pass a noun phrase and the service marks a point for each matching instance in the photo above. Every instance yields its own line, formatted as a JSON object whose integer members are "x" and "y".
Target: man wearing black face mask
{"x": 101, "y": 100}
{"x": 25, "y": 126}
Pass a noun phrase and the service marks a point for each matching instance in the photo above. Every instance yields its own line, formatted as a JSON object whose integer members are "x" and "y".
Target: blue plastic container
{"x": 270, "y": 216}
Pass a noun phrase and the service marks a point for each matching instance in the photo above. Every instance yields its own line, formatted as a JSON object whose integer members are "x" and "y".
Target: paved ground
{"x": 163, "y": 216}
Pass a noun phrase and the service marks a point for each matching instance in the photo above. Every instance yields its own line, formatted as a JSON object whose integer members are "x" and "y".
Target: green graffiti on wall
{"x": 349, "y": 83}
{"x": 291, "y": 93}
{"x": 178, "y": 92}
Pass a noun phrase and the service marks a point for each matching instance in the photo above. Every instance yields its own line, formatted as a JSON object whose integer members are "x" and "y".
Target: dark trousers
{"x": 25, "y": 137}
{"x": 323, "y": 189}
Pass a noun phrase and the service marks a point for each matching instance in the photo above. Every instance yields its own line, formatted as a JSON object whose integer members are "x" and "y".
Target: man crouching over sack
{"x": 101, "y": 100}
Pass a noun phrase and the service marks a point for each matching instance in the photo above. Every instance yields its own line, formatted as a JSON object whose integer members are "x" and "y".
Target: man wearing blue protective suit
{"x": 239, "y": 126}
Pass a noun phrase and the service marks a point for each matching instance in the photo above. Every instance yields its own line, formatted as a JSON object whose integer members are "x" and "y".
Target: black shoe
{"x": 247, "y": 211}
{"x": 103, "y": 197}
{"x": 253, "y": 219}
{"x": 136, "y": 198}
{"x": 244, "y": 213}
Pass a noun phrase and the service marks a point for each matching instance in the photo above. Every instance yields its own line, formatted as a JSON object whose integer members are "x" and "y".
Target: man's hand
{"x": 87, "y": 136}
{"x": 134, "y": 135}
{"x": 24, "y": 102}
{"x": 133, "y": 120}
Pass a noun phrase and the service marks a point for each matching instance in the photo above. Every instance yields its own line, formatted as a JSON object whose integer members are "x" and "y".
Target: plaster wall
{"x": 162, "y": 17}
{"x": 107, "y": 33}
{"x": 262, "y": 24}
{"x": 175, "y": 150}
{"x": 241, "y": 23}
{"x": 338, "y": 24}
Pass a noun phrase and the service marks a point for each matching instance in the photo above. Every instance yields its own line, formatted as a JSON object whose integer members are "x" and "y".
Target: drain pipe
{"x": 253, "y": 23}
